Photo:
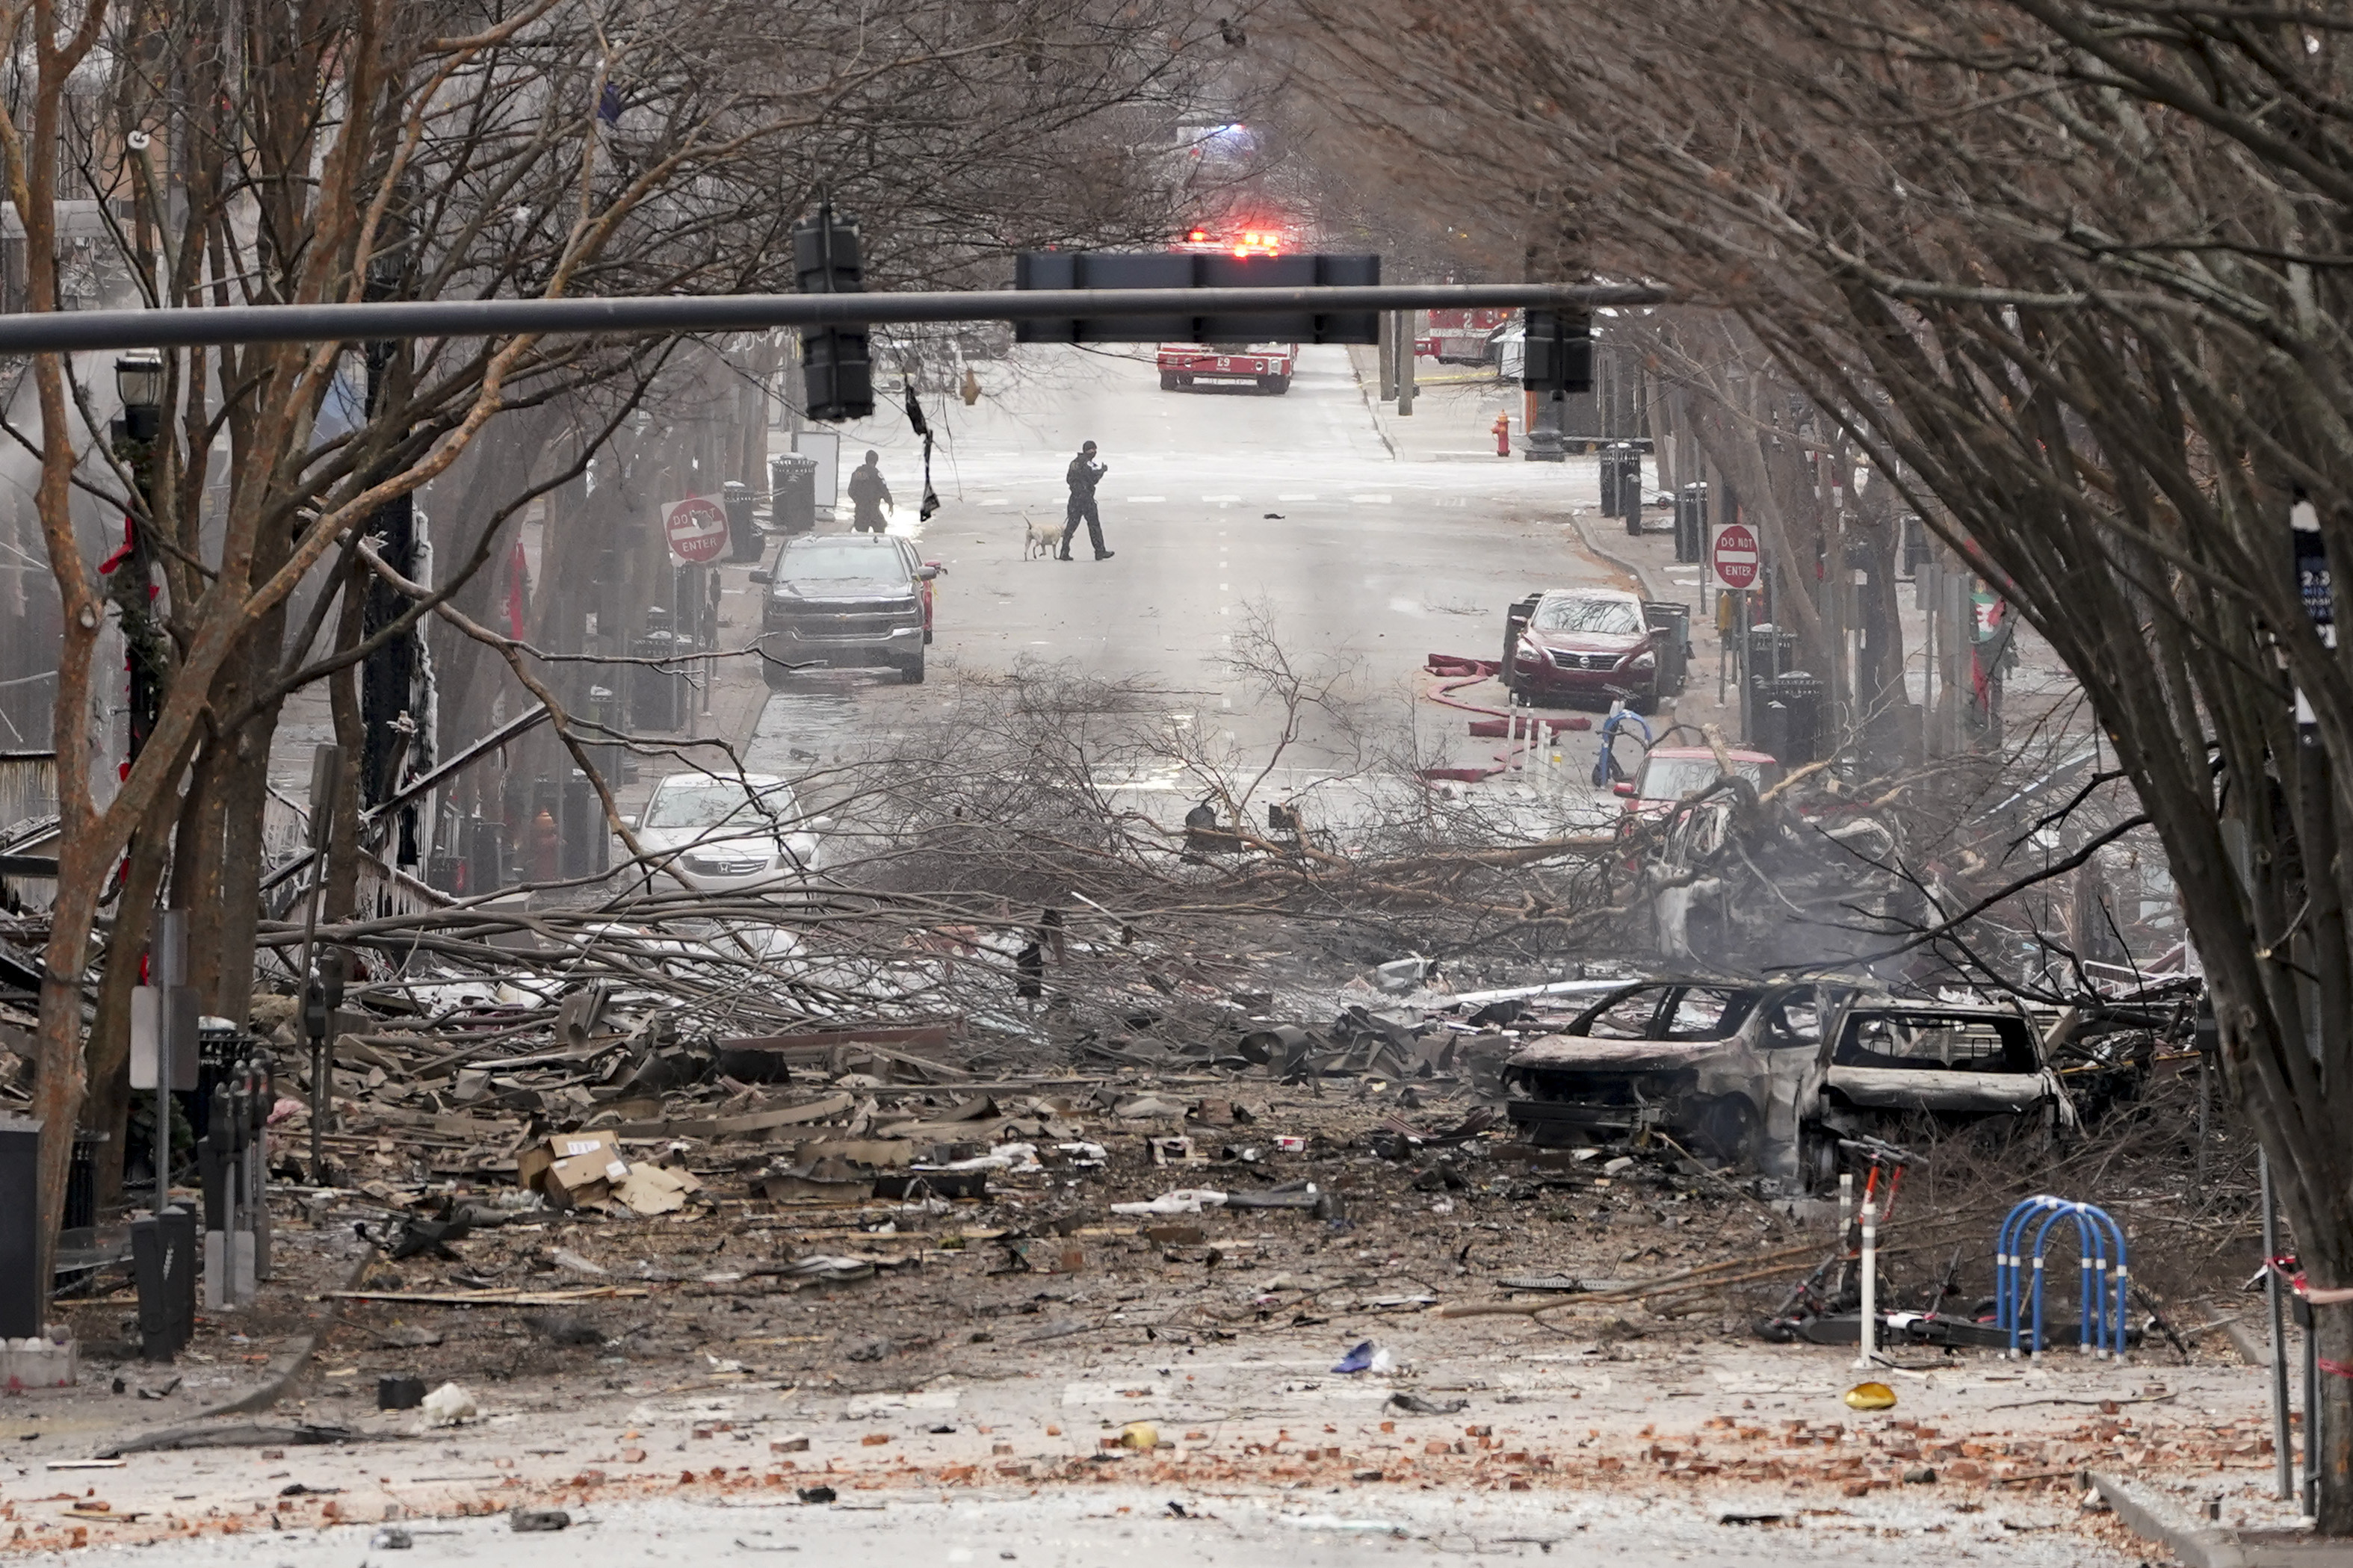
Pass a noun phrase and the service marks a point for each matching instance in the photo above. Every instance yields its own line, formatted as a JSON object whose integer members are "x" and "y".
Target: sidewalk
{"x": 1454, "y": 411}
{"x": 735, "y": 687}
{"x": 1451, "y": 421}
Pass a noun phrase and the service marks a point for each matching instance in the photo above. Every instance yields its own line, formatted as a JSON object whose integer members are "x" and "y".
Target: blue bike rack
{"x": 2102, "y": 1289}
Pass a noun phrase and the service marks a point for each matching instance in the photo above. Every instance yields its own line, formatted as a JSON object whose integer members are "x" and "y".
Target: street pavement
{"x": 1226, "y": 509}
{"x": 1177, "y": 1527}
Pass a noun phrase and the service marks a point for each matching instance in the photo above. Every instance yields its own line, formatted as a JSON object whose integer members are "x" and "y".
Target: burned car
{"x": 1722, "y": 1069}
{"x": 1772, "y": 1077}
{"x": 1917, "y": 1072}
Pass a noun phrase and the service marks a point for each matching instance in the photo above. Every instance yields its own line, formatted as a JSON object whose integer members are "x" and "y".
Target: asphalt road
{"x": 1227, "y": 510}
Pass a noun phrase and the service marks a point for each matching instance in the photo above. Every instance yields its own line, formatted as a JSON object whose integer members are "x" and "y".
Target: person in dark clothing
{"x": 1084, "y": 475}
{"x": 870, "y": 495}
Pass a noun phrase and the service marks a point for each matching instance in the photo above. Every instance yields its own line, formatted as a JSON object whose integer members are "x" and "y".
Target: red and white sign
{"x": 1731, "y": 552}
{"x": 696, "y": 529}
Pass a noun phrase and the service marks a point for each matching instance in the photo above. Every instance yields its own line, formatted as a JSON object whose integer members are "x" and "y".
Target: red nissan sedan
{"x": 1588, "y": 645}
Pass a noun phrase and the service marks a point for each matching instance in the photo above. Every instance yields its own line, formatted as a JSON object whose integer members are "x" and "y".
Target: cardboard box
{"x": 574, "y": 1168}
{"x": 654, "y": 1189}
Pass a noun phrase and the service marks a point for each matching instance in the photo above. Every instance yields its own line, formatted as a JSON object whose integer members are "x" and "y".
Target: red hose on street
{"x": 1455, "y": 671}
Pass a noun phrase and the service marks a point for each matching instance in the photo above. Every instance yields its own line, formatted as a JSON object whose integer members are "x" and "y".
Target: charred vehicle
{"x": 1724, "y": 1070}
{"x": 1773, "y": 1077}
{"x": 1915, "y": 1072}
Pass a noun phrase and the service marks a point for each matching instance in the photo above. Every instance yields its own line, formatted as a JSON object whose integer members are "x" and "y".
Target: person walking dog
{"x": 1086, "y": 472}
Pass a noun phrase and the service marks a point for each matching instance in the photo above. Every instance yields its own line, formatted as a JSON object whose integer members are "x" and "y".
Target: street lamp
{"x": 139, "y": 382}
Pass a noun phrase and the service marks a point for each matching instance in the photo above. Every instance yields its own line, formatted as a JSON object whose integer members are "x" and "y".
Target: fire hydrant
{"x": 1503, "y": 435}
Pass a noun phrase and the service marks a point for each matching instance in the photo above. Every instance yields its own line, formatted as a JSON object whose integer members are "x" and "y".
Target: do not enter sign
{"x": 1733, "y": 552}
{"x": 696, "y": 529}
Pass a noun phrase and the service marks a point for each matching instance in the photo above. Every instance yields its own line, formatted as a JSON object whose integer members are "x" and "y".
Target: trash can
{"x": 1771, "y": 650}
{"x": 587, "y": 837}
{"x": 21, "y": 1286}
{"x": 1674, "y": 648}
{"x": 81, "y": 1181}
{"x": 164, "y": 1263}
{"x": 1769, "y": 724}
{"x": 1802, "y": 698}
{"x": 486, "y": 854}
{"x": 613, "y": 759}
{"x": 1615, "y": 459}
{"x": 742, "y": 532}
{"x": 792, "y": 498}
{"x": 1691, "y": 523}
{"x": 656, "y": 694}
{"x": 1917, "y": 542}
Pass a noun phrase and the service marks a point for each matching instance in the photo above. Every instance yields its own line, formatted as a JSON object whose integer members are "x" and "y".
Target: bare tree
{"x": 350, "y": 150}
{"x": 2069, "y": 275}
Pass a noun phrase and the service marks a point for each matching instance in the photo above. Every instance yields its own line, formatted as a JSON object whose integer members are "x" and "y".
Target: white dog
{"x": 1043, "y": 539}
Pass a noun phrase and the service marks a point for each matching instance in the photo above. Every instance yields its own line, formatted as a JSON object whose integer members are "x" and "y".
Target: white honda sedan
{"x": 727, "y": 835}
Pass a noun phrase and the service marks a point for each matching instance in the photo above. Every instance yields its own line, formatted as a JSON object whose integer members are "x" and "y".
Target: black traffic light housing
{"x": 1559, "y": 351}
{"x": 1194, "y": 269}
{"x": 828, "y": 258}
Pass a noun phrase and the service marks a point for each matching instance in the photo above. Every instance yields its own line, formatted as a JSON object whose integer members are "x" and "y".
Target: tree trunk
{"x": 108, "y": 1108}
{"x": 2332, "y": 1338}
{"x": 196, "y": 857}
{"x": 58, "y": 1084}
{"x": 228, "y": 988}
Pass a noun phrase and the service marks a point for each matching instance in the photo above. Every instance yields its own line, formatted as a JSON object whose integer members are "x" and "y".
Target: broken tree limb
{"x": 244, "y": 1435}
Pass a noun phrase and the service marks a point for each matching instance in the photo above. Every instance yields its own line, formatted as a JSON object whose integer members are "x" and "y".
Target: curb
{"x": 1373, "y": 408}
{"x": 286, "y": 1368}
{"x": 2153, "y": 1518}
{"x": 1641, "y": 575}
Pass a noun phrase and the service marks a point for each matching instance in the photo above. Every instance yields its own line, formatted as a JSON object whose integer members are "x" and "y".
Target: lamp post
{"x": 394, "y": 735}
{"x": 139, "y": 381}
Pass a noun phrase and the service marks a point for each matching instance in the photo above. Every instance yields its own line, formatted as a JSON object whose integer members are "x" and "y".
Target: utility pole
{"x": 323, "y": 982}
{"x": 1403, "y": 334}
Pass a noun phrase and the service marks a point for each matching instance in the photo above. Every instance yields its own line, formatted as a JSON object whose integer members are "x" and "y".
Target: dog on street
{"x": 1039, "y": 539}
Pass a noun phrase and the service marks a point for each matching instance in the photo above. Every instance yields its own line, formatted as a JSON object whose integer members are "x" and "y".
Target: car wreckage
{"x": 1774, "y": 1077}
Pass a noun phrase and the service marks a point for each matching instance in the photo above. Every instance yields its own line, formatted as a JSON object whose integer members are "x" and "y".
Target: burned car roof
{"x": 1587, "y": 1051}
{"x": 1661, "y": 1023}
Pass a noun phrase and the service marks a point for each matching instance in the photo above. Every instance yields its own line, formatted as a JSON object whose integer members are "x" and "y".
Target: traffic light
{"x": 1196, "y": 269}
{"x": 1559, "y": 355}
{"x": 829, "y": 259}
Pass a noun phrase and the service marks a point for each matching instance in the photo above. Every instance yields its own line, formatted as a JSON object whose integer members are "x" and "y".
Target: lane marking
{"x": 1221, "y": 500}
{"x": 1145, "y": 500}
{"x": 1371, "y": 499}
{"x": 1305, "y": 495}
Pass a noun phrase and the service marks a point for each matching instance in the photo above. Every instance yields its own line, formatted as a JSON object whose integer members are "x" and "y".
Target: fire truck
{"x": 1460, "y": 337}
{"x": 1266, "y": 367}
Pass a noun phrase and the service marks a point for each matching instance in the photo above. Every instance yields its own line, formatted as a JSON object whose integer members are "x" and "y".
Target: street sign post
{"x": 696, "y": 529}
{"x": 1732, "y": 555}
